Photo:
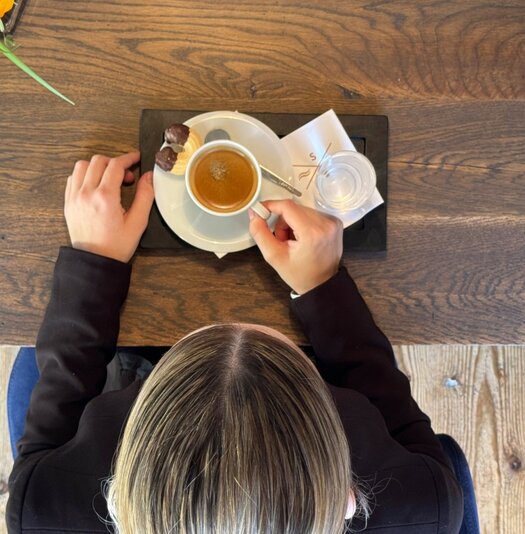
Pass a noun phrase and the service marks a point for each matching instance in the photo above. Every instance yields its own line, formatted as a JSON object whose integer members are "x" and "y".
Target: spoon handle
{"x": 279, "y": 181}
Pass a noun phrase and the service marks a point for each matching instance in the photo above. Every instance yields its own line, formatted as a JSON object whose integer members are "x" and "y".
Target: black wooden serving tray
{"x": 369, "y": 133}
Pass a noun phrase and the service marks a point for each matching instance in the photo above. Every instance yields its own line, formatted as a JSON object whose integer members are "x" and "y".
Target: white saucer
{"x": 222, "y": 234}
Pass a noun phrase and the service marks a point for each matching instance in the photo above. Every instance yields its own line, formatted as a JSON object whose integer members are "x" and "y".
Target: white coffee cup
{"x": 252, "y": 202}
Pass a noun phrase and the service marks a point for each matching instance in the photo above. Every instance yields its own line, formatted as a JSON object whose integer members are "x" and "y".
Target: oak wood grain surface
{"x": 449, "y": 75}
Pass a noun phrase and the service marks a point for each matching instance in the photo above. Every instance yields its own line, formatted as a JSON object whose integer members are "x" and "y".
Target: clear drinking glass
{"x": 345, "y": 181}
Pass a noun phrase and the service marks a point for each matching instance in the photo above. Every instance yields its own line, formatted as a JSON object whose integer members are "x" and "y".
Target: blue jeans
{"x": 470, "y": 524}
{"x": 129, "y": 364}
{"x": 24, "y": 376}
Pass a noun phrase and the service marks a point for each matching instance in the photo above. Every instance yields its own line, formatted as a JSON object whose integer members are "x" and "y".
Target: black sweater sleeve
{"x": 76, "y": 341}
{"x": 353, "y": 353}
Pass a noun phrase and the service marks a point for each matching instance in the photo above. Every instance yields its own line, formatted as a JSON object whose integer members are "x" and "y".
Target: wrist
{"x": 101, "y": 251}
{"x": 308, "y": 285}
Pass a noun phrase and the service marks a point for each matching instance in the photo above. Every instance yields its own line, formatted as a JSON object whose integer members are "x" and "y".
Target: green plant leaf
{"x": 21, "y": 65}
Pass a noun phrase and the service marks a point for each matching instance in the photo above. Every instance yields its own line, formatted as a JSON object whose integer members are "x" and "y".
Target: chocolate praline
{"x": 177, "y": 134}
{"x": 166, "y": 158}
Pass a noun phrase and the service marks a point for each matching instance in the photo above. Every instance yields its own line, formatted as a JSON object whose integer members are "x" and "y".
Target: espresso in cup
{"x": 223, "y": 180}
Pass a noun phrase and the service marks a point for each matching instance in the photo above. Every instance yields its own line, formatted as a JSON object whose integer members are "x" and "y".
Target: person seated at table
{"x": 235, "y": 430}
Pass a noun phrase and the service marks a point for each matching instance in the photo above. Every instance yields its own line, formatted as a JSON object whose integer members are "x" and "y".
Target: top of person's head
{"x": 233, "y": 432}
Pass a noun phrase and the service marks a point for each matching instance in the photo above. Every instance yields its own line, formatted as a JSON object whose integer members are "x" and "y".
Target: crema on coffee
{"x": 223, "y": 180}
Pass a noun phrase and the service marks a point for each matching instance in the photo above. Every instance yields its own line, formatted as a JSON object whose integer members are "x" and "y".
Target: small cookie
{"x": 190, "y": 146}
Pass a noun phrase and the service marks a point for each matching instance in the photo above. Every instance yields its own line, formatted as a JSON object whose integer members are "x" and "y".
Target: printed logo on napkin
{"x": 308, "y": 146}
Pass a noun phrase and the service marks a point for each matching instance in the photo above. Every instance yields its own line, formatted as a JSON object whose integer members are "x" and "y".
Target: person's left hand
{"x": 95, "y": 218}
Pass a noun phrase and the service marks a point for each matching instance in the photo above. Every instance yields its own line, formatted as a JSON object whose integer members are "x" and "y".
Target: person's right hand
{"x": 306, "y": 248}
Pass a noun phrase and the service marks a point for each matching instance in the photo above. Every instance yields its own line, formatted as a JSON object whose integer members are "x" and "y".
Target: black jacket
{"x": 72, "y": 429}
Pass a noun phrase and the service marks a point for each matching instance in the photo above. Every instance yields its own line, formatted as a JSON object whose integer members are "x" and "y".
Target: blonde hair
{"x": 236, "y": 432}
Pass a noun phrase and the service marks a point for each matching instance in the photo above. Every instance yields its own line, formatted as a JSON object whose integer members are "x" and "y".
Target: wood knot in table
{"x": 515, "y": 463}
{"x": 348, "y": 93}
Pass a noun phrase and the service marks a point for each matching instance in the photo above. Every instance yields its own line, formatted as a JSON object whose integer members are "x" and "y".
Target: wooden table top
{"x": 449, "y": 75}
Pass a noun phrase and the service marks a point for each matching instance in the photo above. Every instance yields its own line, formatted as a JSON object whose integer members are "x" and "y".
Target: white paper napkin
{"x": 307, "y": 146}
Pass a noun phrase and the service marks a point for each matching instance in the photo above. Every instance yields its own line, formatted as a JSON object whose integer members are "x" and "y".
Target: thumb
{"x": 138, "y": 213}
{"x": 269, "y": 246}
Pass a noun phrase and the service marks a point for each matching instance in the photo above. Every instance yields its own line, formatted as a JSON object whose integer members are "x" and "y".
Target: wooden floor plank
{"x": 476, "y": 394}
{"x": 7, "y": 357}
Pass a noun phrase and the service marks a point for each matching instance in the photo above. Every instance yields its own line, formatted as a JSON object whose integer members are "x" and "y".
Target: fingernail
{"x": 251, "y": 213}
{"x": 149, "y": 178}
